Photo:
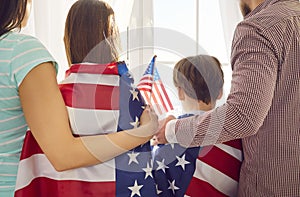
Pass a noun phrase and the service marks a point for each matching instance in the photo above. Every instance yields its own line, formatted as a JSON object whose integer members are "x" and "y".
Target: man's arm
{"x": 252, "y": 88}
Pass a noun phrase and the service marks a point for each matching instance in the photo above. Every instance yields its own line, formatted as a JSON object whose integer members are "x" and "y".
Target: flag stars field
{"x": 135, "y": 94}
{"x": 172, "y": 146}
{"x": 136, "y": 123}
{"x": 133, "y": 157}
{"x": 148, "y": 171}
{"x": 157, "y": 190}
{"x": 161, "y": 165}
{"x": 182, "y": 162}
{"x": 135, "y": 189}
{"x": 173, "y": 187}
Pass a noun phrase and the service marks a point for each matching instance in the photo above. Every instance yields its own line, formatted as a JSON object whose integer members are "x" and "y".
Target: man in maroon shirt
{"x": 264, "y": 102}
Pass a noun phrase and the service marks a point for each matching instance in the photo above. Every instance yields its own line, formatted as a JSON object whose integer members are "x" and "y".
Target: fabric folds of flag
{"x": 92, "y": 95}
{"x": 153, "y": 90}
{"x": 199, "y": 171}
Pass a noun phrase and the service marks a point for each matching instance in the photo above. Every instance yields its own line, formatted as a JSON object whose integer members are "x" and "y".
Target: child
{"x": 205, "y": 171}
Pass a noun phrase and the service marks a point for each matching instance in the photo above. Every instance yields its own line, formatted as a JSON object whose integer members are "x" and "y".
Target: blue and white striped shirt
{"x": 18, "y": 55}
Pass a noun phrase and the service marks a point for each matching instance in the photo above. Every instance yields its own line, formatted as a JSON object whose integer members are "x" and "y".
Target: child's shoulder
{"x": 192, "y": 113}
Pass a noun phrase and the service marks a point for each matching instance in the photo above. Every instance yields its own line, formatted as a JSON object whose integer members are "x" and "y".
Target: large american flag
{"x": 153, "y": 90}
{"x": 92, "y": 94}
{"x": 211, "y": 171}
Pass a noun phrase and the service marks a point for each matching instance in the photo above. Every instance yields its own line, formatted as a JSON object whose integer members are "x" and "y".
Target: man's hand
{"x": 160, "y": 137}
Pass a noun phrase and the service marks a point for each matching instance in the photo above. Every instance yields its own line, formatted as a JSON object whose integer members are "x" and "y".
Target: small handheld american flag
{"x": 153, "y": 90}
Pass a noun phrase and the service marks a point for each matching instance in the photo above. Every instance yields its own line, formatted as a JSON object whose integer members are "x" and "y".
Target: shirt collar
{"x": 196, "y": 112}
{"x": 262, "y": 6}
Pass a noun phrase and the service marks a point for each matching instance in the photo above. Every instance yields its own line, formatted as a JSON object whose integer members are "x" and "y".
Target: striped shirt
{"x": 18, "y": 55}
{"x": 263, "y": 105}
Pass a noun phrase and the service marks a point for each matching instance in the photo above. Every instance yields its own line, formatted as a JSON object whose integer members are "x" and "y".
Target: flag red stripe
{"x": 160, "y": 97}
{"x": 63, "y": 188}
{"x": 147, "y": 78}
{"x": 235, "y": 144}
{"x": 220, "y": 160}
{"x": 198, "y": 187}
{"x": 153, "y": 97}
{"x": 145, "y": 83}
{"x": 89, "y": 68}
{"x": 147, "y": 98}
{"x": 31, "y": 146}
{"x": 90, "y": 96}
{"x": 145, "y": 89}
{"x": 166, "y": 95}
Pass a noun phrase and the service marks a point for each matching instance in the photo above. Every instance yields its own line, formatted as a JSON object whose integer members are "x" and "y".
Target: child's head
{"x": 91, "y": 34}
{"x": 200, "y": 78}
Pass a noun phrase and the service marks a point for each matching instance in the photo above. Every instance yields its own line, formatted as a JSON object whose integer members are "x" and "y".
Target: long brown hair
{"x": 91, "y": 34}
{"x": 12, "y": 13}
{"x": 201, "y": 77}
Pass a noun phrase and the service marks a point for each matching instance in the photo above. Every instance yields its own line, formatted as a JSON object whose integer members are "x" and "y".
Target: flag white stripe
{"x": 156, "y": 106}
{"x": 104, "y": 172}
{"x": 217, "y": 179}
{"x": 110, "y": 80}
{"x": 99, "y": 121}
{"x": 236, "y": 153}
{"x": 147, "y": 76}
{"x": 164, "y": 97}
{"x": 159, "y": 100}
{"x": 145, "y": 87}
{"x": 149, "y": 81}
{"x": 144, "y": 95}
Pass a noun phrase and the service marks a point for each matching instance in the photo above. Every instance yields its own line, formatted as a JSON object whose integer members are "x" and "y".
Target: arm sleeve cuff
{"x": 170, "y": 132}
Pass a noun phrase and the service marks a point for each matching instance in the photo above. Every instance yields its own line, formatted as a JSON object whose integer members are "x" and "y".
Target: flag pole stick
{"x": 152, "y": 74}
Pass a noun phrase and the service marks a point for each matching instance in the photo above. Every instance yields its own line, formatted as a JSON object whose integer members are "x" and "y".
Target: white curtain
{"x": 230, "y": 16}
{"x": 217, "y": 21}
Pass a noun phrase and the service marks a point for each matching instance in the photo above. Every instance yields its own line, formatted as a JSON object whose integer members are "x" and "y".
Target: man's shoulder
{"x": 275, "y": 14}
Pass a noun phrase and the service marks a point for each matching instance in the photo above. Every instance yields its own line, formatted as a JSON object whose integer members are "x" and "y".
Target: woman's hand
{"x": 149, "y": 120}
